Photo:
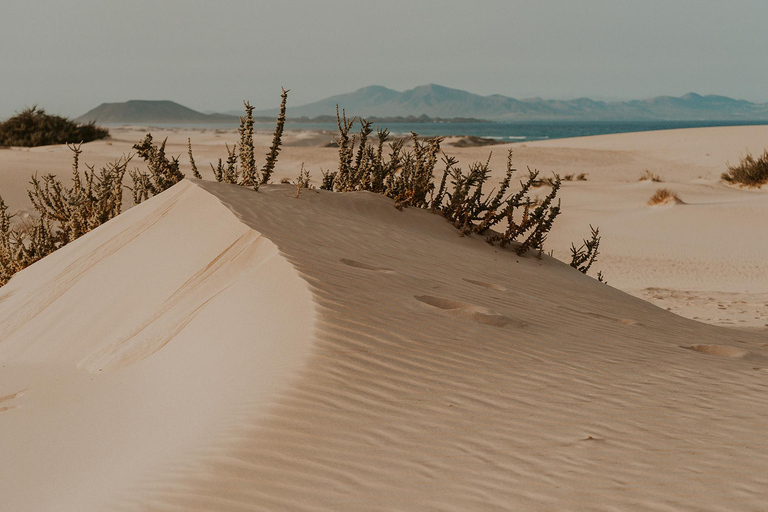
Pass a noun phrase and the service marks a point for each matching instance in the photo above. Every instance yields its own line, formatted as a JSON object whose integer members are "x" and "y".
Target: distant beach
{"x": 506, "y": 132}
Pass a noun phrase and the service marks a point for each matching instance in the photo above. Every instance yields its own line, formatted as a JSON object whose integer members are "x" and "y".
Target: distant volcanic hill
{"x": 145, "y": 111}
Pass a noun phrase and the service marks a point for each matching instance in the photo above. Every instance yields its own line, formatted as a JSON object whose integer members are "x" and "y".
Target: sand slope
{"x": 444, "y": 375}
{"x": 355, "y": 357}
{"x": 137, "y": 344}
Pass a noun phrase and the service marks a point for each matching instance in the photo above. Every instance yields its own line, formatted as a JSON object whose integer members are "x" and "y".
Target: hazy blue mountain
{"x": 435, "y": 101}
{"x": 144, "y": 111}
{"x": 443, "y": 102}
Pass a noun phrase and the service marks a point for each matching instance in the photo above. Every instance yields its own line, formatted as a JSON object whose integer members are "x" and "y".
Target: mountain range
{"x": 435, "y": 101}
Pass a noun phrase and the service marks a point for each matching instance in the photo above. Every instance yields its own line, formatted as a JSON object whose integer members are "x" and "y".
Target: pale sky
{"x": 70, "y": 56}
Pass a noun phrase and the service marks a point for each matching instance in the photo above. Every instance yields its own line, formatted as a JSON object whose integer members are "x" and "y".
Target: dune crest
{"x": 137, "y": 346}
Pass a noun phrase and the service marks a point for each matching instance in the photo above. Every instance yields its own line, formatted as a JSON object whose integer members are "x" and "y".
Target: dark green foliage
{"x": 583, "y": 257}
{"x": 33, "y": 127}
{"x": 162, "y": 173}
{"x": 750, "y": 172}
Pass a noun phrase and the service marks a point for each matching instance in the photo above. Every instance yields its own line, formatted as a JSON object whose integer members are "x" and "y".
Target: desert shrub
{"x": 408, "y": 177}
{"x": 662, "y": 196}
{"x": 64, "y": 213}
{"x": 192, "y": 164}
{"x": 274, "y": 150}
{"x": 161, "y": 173}
{"x": 585, "y": 255}
{"x": 240, "y": 166}
{"x": 546, "y": 181}
{"x": 581, "y": 177}
{"x": 33, "y": 127}
{"x": 750, "y": 171}
{"x": 649, "y": 176}
{"x": 302, "y": 181}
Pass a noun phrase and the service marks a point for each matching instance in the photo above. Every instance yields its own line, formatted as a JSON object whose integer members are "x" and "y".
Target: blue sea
{"x": 526, "y": 131}
{"x": 508, "y": 132}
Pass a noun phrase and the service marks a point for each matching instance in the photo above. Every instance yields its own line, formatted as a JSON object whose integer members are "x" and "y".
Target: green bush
{"x": 33, "y": 127}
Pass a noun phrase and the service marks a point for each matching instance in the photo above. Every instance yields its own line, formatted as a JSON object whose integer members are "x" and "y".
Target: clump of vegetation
{"x": 246, "y": 173}
{"x": 33, "y": 127}
{"x": 664, "y": 196}
{"x": 408, "y": 177}
{"x": 161, "y": 174}
{"x": 583, "y": 257}
{"x": 649, "y": 176}
{"x": 550, "y": 181}
{"x": 750, "y": 172}
{"x": 192, "y": 164}
{"x": 65, "y": 213}
{"x": 274, "y": 150}
{"x": 302, "y": 181}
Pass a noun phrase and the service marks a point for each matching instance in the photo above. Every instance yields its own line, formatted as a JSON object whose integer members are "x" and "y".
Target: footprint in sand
{"x": 5, "y": 401}
{"x": 719, "y": 350}
{"x": 492, "y": 286}
{"x": 365, "y": 266}
{"x": 479, "y": 314}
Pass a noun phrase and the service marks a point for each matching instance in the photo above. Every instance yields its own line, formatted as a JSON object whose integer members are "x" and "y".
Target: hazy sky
{"x": 70, "y": 56}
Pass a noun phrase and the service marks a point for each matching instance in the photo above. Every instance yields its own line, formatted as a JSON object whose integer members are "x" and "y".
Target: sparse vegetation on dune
{"x": 65, "y": 213}
{"x": 33, "y": 127}
{"x": 649, "y": 176}
{"x": 664, "y": 196}
{"x": 750, "y": 171}
{"x": 407, "y": 176}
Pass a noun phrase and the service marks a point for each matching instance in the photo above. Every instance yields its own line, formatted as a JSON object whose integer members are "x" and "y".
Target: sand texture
{"x": 217, "y": 349}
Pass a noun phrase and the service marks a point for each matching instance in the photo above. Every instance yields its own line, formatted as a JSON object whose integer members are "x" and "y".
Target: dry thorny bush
{"x": 405, "y": 175}
{"x": 408, "y": 177}
{"x": 66, "y": 213}
{"x": 750, "y": 172}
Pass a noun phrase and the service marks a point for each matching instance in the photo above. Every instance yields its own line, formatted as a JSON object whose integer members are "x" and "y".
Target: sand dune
{"x": 220, "y": 349}
{"x": 132, "y": 346}
{"x": 438, "y": 373}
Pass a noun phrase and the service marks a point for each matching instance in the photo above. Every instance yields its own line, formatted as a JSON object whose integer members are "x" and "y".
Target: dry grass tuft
{"x": 649, "y": 176}
{"x": 664, "y": 196}
{"x": 302, "y": 181}
{"x": 750, "y": 172}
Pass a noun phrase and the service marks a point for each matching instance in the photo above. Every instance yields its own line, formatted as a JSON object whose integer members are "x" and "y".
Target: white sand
{"x": 333, "y": 353}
